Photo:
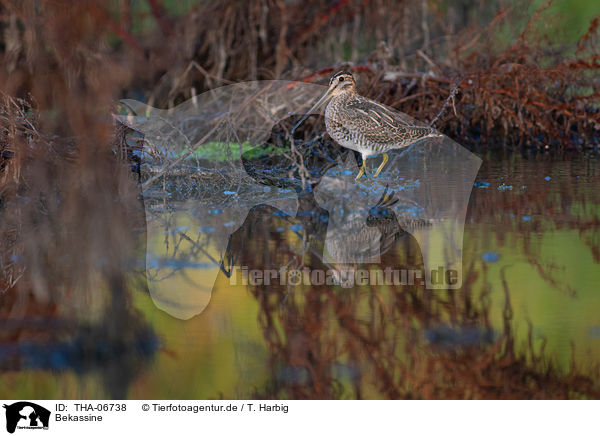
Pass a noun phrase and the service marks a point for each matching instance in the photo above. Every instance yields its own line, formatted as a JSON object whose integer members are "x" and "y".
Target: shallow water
{"x": 538, "y": 221}
{"x": 529, "y": 281}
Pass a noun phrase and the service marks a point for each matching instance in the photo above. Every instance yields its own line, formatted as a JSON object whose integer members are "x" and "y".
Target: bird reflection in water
{"x": 306, "y": 326}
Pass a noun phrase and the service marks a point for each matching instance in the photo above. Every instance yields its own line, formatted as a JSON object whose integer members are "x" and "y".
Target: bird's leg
{"x": 385, "y": 159}
{"x": 363, "y": 168}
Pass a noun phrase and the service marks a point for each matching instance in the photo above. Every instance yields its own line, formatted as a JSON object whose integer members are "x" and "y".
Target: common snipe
{"x": 363, "y": 125}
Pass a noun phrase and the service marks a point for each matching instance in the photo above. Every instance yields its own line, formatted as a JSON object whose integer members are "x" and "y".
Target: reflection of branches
{"x": 590, "y": 233}
{"x": 180, "y": 257}
{"x": 537, "y": 206}
{"x": 390, "y": 342}
{"x": 545, "y": 272}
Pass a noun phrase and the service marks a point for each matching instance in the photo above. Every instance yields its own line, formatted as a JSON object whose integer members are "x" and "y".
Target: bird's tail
{"x": 424, "y": 132}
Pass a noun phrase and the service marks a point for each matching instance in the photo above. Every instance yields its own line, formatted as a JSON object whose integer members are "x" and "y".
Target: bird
{"x": 364, "y": 125}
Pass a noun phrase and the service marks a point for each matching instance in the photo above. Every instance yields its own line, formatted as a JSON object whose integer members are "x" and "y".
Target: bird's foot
{"x": 385, "y": 159}
{"x": 362, "y": 171}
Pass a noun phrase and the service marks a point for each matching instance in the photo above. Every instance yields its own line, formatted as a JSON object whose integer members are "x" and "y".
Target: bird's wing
{"x": 379, "y": 124}
{"x": 381, "y": 114}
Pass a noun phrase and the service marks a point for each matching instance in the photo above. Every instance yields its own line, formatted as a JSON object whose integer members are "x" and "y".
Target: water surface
{"x": 525, "y": 316}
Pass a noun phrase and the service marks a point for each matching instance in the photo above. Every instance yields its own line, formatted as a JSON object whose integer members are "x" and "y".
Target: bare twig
{"x": 448, "y": 99}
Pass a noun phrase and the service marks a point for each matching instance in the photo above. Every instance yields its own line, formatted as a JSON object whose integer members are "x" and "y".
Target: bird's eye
{"x": 341, "y": 79}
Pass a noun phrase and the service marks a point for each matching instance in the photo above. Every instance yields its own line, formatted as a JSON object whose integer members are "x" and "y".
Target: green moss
{"x": 217, "y": 151}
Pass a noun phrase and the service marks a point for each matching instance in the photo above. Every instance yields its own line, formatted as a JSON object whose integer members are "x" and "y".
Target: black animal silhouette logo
{"x": 26, "y": 415}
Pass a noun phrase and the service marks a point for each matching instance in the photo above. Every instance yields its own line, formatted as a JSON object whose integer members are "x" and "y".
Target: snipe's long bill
{"x": 363, "y": 125}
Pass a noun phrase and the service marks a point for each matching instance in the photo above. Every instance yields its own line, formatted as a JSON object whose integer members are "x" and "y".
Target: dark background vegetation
{"x": 525, "y": 78}
{"x": 527, "y": 73}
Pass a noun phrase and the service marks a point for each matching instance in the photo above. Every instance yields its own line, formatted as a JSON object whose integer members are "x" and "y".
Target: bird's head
{"x": 340, "y": 83}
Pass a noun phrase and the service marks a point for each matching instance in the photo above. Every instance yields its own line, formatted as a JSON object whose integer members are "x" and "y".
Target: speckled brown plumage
{"x": 363, "y": 125}
{"x": 368, "y": 127}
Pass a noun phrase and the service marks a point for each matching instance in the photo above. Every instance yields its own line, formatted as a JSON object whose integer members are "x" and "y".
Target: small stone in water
{"x": 595, "y": 331}
{"x": 180, "y": 229}
{"x": 490, "y": 257}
